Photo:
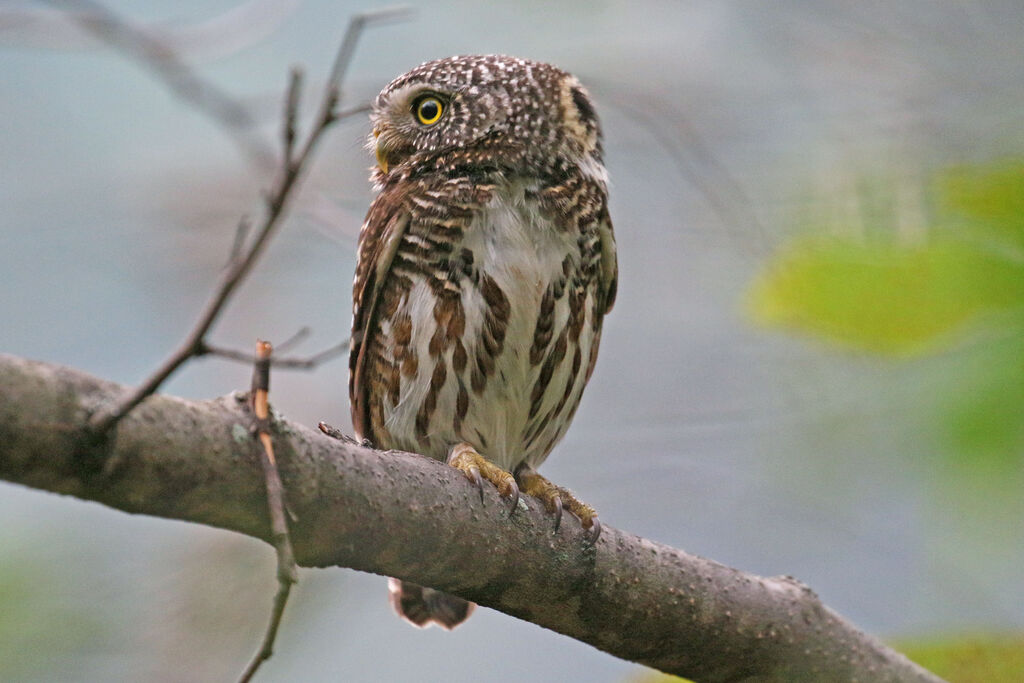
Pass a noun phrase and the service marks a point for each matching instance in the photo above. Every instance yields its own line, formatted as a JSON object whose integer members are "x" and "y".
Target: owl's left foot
{"x": 476, "y": 467}
{"x": 555, "y": 498}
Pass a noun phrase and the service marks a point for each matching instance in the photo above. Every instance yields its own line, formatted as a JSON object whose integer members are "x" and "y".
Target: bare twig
{"x": 291, "y": 114}
{"x": 241, "y": 232}
{"x": 355, "y": 27}
{"x": 349, "y": 112}
{"x": 277, "y": 201}
{"x": 294, "y": 340}
{"x": 285, "y": 363}
{"x": 336, "y": 433}
{"x": 287, "y": 570}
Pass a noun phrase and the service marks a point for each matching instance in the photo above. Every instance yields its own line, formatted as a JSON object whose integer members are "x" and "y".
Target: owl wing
{"x": 385, "y": 224}
{"x": 609, "y": 261}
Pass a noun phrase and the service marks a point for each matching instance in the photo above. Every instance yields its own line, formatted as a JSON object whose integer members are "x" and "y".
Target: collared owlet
{"x": 486, "y": 265}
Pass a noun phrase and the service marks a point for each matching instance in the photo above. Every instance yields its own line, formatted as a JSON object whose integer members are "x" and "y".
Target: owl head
{"x": 484, "y": 113}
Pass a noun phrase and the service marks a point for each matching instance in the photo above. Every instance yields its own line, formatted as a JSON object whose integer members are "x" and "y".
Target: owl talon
{"x": 474, "y": 476}
{"x": 514, "y": 495}
{"x": 556, "y": 499}
{"x": 476, "y": 467}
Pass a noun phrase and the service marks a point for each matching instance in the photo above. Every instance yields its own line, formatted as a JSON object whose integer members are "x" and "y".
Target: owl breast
{"x": 488, "y": 332}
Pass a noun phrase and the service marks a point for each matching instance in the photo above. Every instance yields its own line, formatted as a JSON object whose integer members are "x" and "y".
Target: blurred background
{"x": 815, "y": 366}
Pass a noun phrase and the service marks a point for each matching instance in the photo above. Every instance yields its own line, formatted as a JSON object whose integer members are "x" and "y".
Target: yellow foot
{"x": 476, "y": 467}
{"x": 555, "y": 498}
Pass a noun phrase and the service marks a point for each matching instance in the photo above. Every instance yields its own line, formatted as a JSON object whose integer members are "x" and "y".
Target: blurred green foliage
{"x": 971, "y": 659}
{"x": 882, "y": 297}
{"x": 39, "y": 633}
{"x": 955, "y": 283}
{"x": 987, "y": 199}
{"x": 651, "y": 676}
{"x": 993, "y": 658}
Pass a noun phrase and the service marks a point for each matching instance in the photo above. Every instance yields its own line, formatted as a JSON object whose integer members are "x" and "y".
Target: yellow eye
{"x": 428, "y": 110}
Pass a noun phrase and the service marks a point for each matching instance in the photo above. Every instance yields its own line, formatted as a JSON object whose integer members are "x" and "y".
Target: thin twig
{"x": 194, "y": 343}
{"x": 241, "y": 232}
{"x": 293, "y": 363}
{"x": 336, "y": 433}
{"x": 349, "y": 112}
{"x": 343, "y": 59}
{"x": 294, "y": 340}
{"x": 291, "y": 113}
{"x": 287, "y": 570}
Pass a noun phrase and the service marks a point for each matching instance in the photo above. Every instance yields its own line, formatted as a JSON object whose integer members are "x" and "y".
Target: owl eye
{"x": 428, "y": 109}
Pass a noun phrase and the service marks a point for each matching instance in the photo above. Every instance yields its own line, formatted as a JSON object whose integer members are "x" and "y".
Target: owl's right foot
{"x": 476, "y": 467}
{"x": 555, "y": 498}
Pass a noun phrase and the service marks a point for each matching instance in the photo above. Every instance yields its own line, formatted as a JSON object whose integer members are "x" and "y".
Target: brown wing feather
{"x": 609, "y": 262}
{"x": 385, "y": 223}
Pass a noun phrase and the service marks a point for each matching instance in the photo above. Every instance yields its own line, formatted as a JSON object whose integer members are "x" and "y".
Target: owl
{"x": 485, "y": 267}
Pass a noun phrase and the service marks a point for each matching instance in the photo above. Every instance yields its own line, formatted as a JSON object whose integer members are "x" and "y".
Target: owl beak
{"x": 382, "y": 154}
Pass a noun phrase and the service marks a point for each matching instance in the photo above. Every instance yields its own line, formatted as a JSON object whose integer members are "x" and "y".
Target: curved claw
{"x": 514, "y": 495}
{"x": 594, "y": 532}
{"x": 558, "y": 513}
{"x": 474, "y": 476}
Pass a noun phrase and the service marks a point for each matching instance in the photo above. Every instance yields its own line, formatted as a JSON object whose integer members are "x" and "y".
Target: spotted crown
{"x": 501, "y": 112}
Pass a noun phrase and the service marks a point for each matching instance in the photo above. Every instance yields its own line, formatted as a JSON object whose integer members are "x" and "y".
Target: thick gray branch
{"x": 407, "y": 516}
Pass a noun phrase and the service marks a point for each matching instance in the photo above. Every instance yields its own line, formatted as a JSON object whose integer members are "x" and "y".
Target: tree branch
{"x": 407, "y": 516}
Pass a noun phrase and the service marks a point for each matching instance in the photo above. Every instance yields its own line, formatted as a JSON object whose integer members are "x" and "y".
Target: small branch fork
{"x": 287, "y": 570}
{"x": 293, "y": 363}
{"x": 246, "y": 252}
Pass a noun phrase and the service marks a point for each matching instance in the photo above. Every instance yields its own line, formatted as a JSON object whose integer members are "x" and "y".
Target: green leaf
{"x": 962, "y": 280}
{"x": 884, "y": 297}
{"x": 987, "y": 198}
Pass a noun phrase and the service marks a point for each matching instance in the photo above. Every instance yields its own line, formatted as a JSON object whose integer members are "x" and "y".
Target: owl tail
{"x": 422, "y": 606}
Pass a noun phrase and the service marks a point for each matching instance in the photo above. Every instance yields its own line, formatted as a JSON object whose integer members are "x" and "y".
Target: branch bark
{"x": 403, "y": 515}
